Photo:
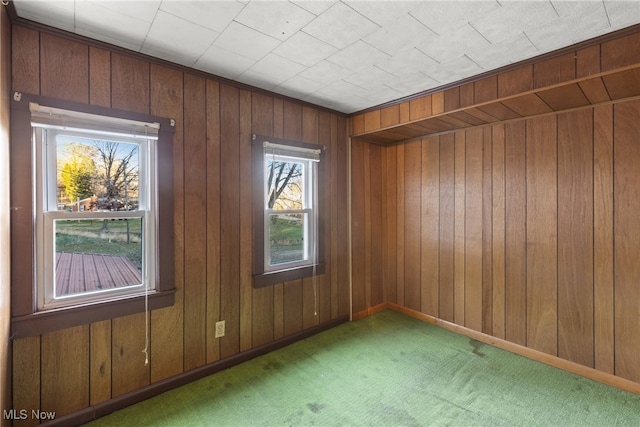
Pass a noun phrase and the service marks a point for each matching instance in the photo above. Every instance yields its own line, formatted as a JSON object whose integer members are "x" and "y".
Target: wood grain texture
{"x": 446, "y": 238}
{"x": 420, "y": 107}
{"x": 128, "y": 370}
{"x": 390, "y": 261}
{"x": 99, "y": 81}
{"x": 603, "y": 272}
{"x": 65, "y": 370}
{"x": 26, "y": 371}
{"x": 64, "y": 69}
{"x": 515, "y": 81}
{"x": 542, "y": 238}
{"x": 473, "y": 226}
{"x": 400, "y": 230}
{"x": 626, "y": 236}
{"x": 358, "y": 227}
{"x": 459, "y": 179}
{"x": 377, "y": 239}
{"x": 229, "y": 219}
{"x": 25, "y": 60}
{"x": 100, "y": 362}
{"x": 246, "y": 221}
{"x": 485, "y": 89}
{"x": 515, "y": 242}
{"x": 487, "y": 232}
{"x": 129, "y": 83}
{"x": 430, "y": 218}
{"x": 390, "y": 116}
{"x": 498, "y": 231}
{"x": 412, "y": 223}
{"x": 167, "y": 351}
{"x": 555, "y": 70}
{"x": 575, "y": 237}
{"x": 195, "y": 222}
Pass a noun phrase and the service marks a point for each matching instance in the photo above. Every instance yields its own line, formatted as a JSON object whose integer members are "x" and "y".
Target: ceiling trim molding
{"x": 516, "y": 65}
{"x": 14, "y": 19}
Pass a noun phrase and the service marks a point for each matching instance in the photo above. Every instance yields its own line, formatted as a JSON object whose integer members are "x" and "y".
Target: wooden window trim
{"x": 260, "y": 277}
{"x": 25, "y": 319}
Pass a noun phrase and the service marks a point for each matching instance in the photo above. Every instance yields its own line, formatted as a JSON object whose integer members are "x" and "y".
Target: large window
{"x": 287, "y": 239}
{"x": 95, "y": 204}
{"x": 93, "y": 237}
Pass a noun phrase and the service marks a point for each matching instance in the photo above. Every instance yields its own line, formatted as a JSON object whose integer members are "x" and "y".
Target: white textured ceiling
{"x": 344, "y": 55}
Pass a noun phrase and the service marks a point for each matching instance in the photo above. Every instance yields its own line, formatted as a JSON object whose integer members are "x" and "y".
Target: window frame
{"x": 263, "y": 275}
{"x": 26, "y": 318}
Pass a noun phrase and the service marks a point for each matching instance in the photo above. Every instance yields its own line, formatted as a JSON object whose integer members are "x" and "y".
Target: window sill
{"x": 280, "y": 276}
{"x": 68, "y": 317}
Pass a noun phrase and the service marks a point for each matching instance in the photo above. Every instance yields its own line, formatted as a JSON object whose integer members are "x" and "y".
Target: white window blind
{"x": 292, "y": 151}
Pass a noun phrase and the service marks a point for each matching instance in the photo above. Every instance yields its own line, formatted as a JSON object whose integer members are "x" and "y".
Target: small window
{"x": 287, "y": 202}
{"x": 95, "y": 207}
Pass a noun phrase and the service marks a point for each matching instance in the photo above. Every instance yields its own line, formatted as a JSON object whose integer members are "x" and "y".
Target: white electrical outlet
{"x": 219, "y": 329}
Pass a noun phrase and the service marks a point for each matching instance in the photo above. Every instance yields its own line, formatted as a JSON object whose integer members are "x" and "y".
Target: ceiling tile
{"x": 380, "y": 12}
{"x": 277, "y": 68}
{"x": 108, "y": 25}
{"x": 255, "y": 79}
{"x": 358, "y": 56}
{"x": 453, "y": 44}
{"x": 404, "y": 34}
{"x": 313, "y": 6}
{"x": 326, "y": 72}
{"x": 407, "y": 62}
{"x": 370, "y": 78}
{"x": 56, "y": 14}
{"x": 246, "y": 41}
{"x": 623, "y": 13}
{"x": 305, "y": 49}
{"x": 340, "y": 26}
{"x": 215, "y": 15}
{"x": 413, "y": 83}
{"x": 503, "y": 53}
{"x": 456, "y": 69}
{"x": 298, "y": 85}
{"x": 512, "y": 18}
{"x": 443, "y": 16}
{"x": 143, "y": 10}
{"x": 278, "y": 19}
{"x": 223, "y": 63}
{"x": 177, "y": 39}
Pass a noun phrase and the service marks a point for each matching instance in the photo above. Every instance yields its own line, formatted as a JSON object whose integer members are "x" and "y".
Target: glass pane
{"x": 96, "y": 175}
{"x": 285, "y": 185}
{"x": 286, "y": 237}
{"x": 96, "y": 254}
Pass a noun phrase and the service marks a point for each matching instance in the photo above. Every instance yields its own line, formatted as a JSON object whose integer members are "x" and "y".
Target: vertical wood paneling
{"x": 246, "y": 220}
{"x": 278, "y": 290}
{"x": 128, "y": 371}
{"x": 575, "y": 237}
{"x": 99, "y": 81}
{"x": 167, "y": 324}
{"x": 377, "y": 295}
{"x": 25, "y": 60}
{"x": 229, "y": 219}
{"x": 412, "y": 223}
{"x": 358, "y": 228}
{"x": 473, "y": 248}
{"x": 366, "y": 217}
{"x": 515, "y": 225}
{"x": 626, "y": 237}
{"x": 446, "y": 265}
{"x": 100, "y": 362}
{"x": 64, "y": 67}
{"x": 343, "y": 201}
{"x": 213, "y": 218}
{"x": 65, "y": 370}
{"x": 129, "y": 83}
{"x": 390, "y": 261}
{"x": 400, "y": 218}
{"x": 459, "y": 229}
{"x": 603, "y": 275}
{"x": 26, "y": 376}
{"x": 333, "y": 219}
{"x": 195, "y": 222}
{"x": 262, "y": 303}
{"x": 487, "y": 231}
{"x": 542, "y": 238}
{"x": 498, "y": 229}
{"x": 429, "y": 235}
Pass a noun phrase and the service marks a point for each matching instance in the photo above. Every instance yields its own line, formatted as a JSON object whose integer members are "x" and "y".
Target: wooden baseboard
{"x": 566, "y": 365}
{"x": 370, "y": 311}
{"x": 104, "y": 408}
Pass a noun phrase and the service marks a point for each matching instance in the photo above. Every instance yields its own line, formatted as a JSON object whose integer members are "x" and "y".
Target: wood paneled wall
{"x": 5, "y": 247}
{"x": 527, "y": 231}
{"x": 69, "y": 370}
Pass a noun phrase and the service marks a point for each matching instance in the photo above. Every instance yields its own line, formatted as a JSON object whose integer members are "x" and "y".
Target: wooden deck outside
{"x": 79, "y": 272}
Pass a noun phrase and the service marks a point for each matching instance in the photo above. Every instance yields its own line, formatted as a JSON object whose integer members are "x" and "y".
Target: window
{"x": 94, "y": 240}
{"x": 287, "y": 230}
{"x": 95, "y": 207}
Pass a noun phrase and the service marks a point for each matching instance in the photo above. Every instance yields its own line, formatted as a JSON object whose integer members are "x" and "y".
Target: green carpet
{"x": 387, "y": 370}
